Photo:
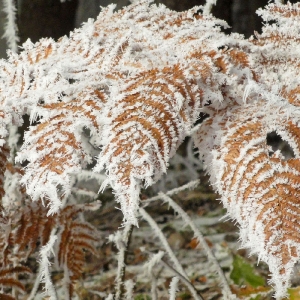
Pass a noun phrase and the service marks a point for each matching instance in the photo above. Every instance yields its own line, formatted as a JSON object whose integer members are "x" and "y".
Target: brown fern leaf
{"x": 259, "y": 190}
{"x": 33, "y": 228}
{"x": 8, "y": 280}
{"x": 6, "y": 239}
{"x": 145, "y": 132}
{"x": 76, "y": 237}
{"x": 6, "y": 297}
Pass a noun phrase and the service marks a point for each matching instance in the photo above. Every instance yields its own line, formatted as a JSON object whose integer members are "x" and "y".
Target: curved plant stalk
{"x": 45, "y": 274}
{"x": 211, "y": 257}
{"x": 169, "y": 251}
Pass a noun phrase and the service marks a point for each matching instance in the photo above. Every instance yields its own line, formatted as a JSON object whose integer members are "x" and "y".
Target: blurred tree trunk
{"x": 2, "y": 40}
{"x": 45, "y": 18}
{"x": 244, "y": 17}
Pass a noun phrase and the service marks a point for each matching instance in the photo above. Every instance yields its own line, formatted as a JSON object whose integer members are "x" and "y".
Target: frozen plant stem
{"x": 45, "y": 274}
{"x": 36, "y": 285}
{"x": 189, "y": 186}
{"x": 201, "y": 240}
{"x": 123, "y": 246}
{"x": 153, "y": 286}
{"x": 168, "y": 249}
{"x": 184, "y": 280}
{"x": 173, "y": 287}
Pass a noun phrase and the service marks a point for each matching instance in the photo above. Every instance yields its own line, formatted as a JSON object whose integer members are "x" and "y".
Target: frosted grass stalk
{"x": 173, "y": 288}
{"x": 129, "y": 285}
{"x": 211, "y": 257}
{"x": 169, "y": 251}
{"x": 154, "y": 260}
{"x": 121, "y": 241}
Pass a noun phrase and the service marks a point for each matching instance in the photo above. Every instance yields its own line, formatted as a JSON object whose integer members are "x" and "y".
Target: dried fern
{"x": 25, "y": 231}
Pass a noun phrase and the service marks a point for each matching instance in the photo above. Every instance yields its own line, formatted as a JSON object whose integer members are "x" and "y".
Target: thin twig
{"x": 168, "y": 249}
{"x": 183, "y": 279}
{"x": 190, "y": 185}
{"x": 211, "y": 257}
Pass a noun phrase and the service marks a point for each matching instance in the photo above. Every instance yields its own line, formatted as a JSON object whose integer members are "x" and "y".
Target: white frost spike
{"x": 208, "y": 6}
{"x": 11, "y": 29}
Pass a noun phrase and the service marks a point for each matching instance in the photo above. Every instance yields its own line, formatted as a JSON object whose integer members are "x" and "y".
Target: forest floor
{"x": 247, "y": 278}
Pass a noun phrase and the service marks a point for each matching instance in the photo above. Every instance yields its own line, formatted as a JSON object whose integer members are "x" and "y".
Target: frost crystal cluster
{"x": 134, "y": 82}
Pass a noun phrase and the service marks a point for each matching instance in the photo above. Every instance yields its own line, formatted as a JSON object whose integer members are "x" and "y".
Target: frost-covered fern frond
{"x": 275, "y": 56}
{"x": 146, "y": 127}
{"x": 137, "y": 79}
{"x": 259, "y": 189}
